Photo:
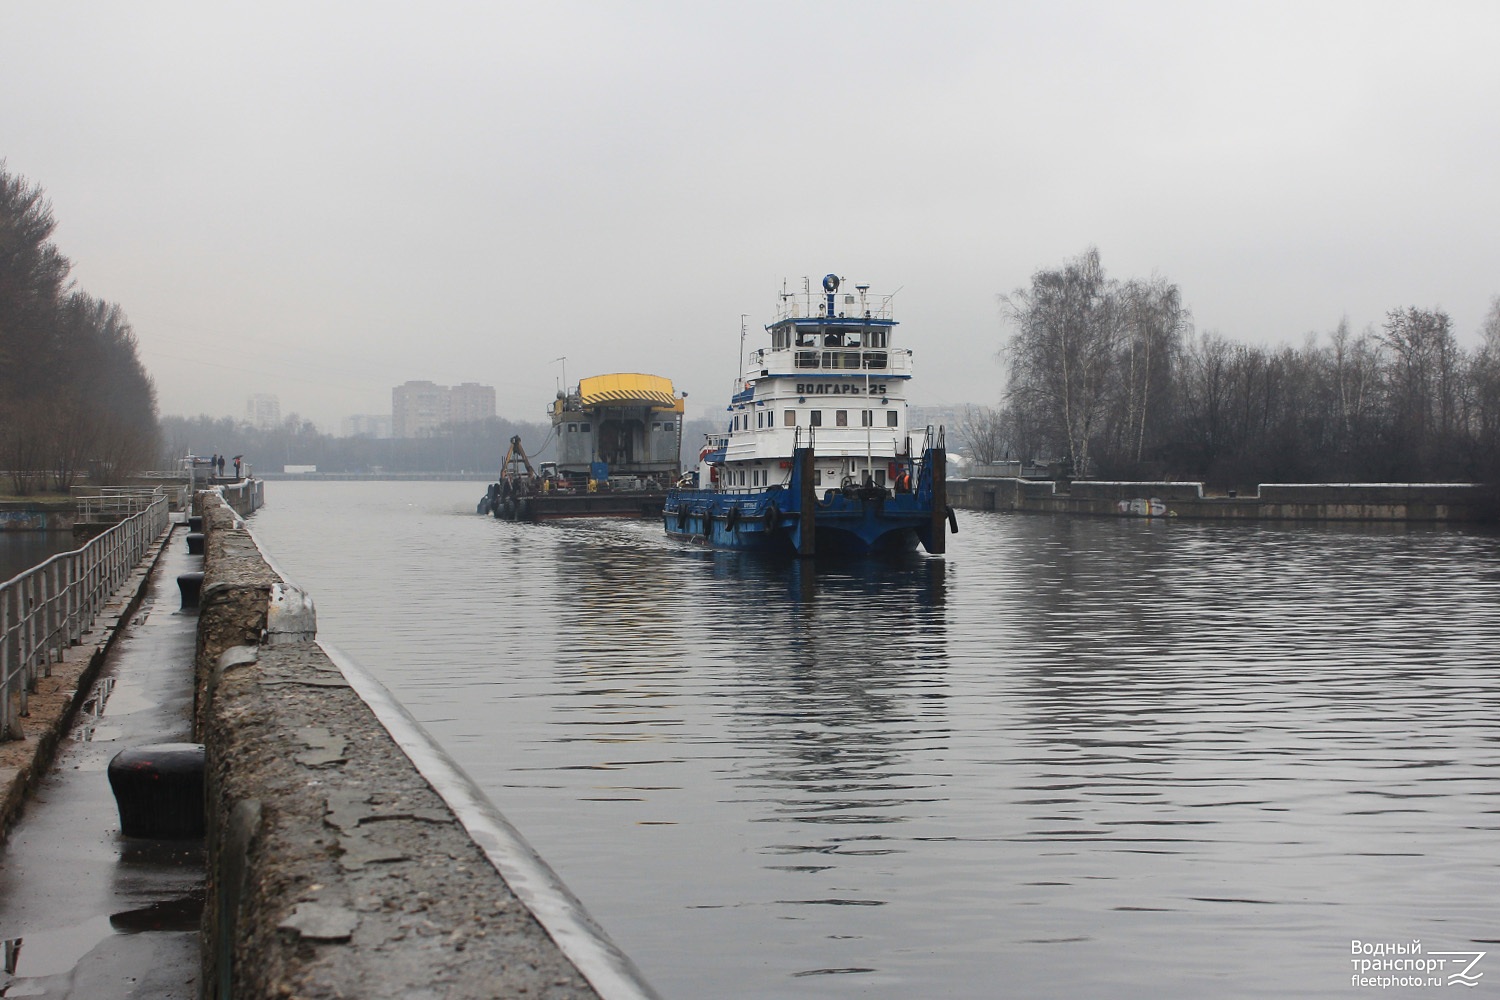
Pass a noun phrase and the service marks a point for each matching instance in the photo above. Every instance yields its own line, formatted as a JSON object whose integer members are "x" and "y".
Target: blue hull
{"x": 768, "y": 521}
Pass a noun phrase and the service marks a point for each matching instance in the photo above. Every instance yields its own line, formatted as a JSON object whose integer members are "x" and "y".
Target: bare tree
{"x": 1155, "y": 320}
{"x": 983, "y": 434}
{"x": 1063, "y": 354}
{"x": 1421, "y": 381}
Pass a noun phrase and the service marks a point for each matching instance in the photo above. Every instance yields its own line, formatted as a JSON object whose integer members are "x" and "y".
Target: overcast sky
{"x": 323, "y": 200}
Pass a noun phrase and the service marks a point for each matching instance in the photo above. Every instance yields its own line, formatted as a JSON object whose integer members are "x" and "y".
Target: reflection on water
{"x": 21, "y": 550}
{"x": 1074, "y": 757}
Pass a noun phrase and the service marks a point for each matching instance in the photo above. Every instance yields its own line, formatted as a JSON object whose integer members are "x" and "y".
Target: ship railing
{"x": 870, "y": 359}
{"x": 814, "y": 305}
{"x": 46, "y": 609}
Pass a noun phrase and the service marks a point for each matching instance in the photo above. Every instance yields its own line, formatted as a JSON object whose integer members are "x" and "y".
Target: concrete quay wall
{"x": 24, "y": 515}
{"x": 1409, "y": 502}
{"x": 336, "y": 867}
{"x": 244, "y": 497}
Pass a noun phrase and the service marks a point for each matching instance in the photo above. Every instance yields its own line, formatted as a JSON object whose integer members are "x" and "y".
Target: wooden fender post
{"x": 807, "y": 528}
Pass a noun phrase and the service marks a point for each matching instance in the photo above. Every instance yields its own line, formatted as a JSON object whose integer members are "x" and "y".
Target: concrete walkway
{"x": 84, "y": 912}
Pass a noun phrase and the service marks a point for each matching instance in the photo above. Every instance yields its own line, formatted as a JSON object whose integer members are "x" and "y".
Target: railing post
{"x": 49, "y": 617}
{"x": 7, "y": 662}
{"x": 23, "y": 644}
{"x": 75, "y": 629}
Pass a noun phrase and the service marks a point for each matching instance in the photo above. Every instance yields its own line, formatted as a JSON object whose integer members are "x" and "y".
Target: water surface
{"x": 21, "y": 550}
{"x": 1074, "y": 757}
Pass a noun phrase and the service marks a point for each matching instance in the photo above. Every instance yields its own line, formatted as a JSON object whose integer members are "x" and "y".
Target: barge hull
{"x": 543, "y": 507}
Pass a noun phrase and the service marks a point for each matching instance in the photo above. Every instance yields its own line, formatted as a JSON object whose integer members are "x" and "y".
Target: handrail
{"x": 46, "y": 609}
{"x": 113, "y": 502}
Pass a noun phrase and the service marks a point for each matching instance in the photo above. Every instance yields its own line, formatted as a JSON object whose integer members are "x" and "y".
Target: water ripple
{"x": 1181, "y": 755}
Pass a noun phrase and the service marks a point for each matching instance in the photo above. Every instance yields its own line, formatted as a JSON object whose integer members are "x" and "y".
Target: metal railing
{"x": 46, "y": 609}
{"x": 115, "y": 503}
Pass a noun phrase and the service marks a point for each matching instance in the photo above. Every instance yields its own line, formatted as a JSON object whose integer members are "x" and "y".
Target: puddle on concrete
{"x": 38, "y": 955}
{"x": 180, "y": 914}
{"x": 52, "y": 951}
{"x": 87, "y": 725}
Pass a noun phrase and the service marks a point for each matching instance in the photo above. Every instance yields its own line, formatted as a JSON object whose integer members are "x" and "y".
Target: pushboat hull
{"x": 855, "y": 521}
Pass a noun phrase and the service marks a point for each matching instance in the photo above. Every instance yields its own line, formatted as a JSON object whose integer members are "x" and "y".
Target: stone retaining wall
{"x": 21, "y": 515}
{"x": 335, "y": 869}
{"x": 1415, "y": 502}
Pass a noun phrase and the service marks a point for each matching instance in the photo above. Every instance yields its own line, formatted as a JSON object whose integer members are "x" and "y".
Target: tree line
{"x": 74, "y": 396}
{"x": 1109, "y": 378}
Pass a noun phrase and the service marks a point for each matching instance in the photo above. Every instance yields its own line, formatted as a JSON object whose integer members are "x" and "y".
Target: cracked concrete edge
{"x": 78, "y": 670}
{"x": 335, "y": 867}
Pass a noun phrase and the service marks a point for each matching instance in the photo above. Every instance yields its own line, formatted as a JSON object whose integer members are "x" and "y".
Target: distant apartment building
{"x": 263, "y": 411}
{"x": 471, "y": 403}
{"x": 370, "y": 425}
{"x": 420, "y": 408}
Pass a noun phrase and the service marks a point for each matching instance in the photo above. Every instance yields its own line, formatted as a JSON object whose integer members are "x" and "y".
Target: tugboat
{"x": 818, "y": 457}
{"x": 618, "y": 441}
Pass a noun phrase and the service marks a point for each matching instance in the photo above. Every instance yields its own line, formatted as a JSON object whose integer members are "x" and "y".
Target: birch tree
{"x": 1062, "y": 356}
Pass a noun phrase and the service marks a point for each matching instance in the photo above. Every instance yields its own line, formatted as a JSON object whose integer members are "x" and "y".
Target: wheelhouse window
{"x": 841, "y": 418}
{"x": 866, "y": 418}
{"x": 815, "y": 418}
{"x": 891, "y": 418}
{"x": 789, "y": 418}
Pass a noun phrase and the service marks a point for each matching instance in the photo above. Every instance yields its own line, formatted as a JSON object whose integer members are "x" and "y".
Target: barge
{"x": 618, "y": 440}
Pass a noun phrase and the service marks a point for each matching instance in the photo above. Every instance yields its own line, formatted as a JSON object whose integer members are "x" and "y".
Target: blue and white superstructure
{"x": 819, "y": 455}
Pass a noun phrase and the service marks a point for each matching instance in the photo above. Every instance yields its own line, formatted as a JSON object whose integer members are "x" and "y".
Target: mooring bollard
{"x": 195, "y": 522}
{"x": 191, "y": 585}
{"x": 195, "y": 543}
{"x": 159, "y": 790}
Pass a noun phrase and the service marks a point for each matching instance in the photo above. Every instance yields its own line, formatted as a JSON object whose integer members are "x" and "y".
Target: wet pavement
{"x": 85, "y": 912}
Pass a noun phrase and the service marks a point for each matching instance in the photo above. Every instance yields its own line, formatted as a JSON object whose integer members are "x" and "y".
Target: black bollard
{"x": 195, "y": 522}
{"x": 195, "y": 543}
{"x": 159, "y": 790}
{"x": 191, "y": 585}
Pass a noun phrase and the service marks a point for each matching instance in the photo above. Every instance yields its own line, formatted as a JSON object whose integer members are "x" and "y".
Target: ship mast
{"x": 743, "y": 317}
